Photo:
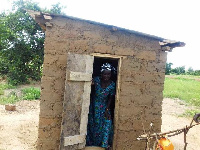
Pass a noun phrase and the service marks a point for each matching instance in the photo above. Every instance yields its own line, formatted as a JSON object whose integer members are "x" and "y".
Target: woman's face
{"x": 106, "y": 75}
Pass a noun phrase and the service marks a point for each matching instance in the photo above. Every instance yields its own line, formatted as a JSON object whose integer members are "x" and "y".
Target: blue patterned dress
{"x": 100, "y": 129}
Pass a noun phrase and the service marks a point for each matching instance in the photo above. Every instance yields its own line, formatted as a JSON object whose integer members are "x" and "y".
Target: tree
{"x": 178, "y": 70}
{"x": 56, "y": 9}
{"x": 190, "y": 71}
{"x": 22, "y": 50}
{"x": 168, "y": 68}
{"x": 197, "y": 72}
{"x": 22, "y": 43}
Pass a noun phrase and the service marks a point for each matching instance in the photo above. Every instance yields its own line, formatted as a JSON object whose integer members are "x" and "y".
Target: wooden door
{"x": 79, "y": 71}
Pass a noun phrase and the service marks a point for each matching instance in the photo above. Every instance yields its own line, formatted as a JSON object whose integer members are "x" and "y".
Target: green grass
{"x": 11, "y": 99}
{"x": 4, "y": 86}
{"x": 186, "y": 88}
{"x": 27, "y": 94}
{"x": 31, "y": 93}
{"x": 190, "y": 113}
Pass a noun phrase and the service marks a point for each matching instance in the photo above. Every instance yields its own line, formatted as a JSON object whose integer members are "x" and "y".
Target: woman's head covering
{"x": 107, "y": 66}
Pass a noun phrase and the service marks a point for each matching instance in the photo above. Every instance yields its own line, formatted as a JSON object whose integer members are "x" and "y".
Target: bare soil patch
{"x": 171, "y": 120}
{"x": 175, "y": 77}
{"x": 19, "y": 129}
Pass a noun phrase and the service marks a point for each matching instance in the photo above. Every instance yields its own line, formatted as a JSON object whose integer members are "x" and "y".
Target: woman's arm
{"x": 110, "y": 100}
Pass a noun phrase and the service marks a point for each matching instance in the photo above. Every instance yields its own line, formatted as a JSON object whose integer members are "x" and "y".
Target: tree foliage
{"x": 22, "y": 43}
{"x": 168, "y": 68}
{"x": 55, "y": 9}
{"x": 180, "y": 70}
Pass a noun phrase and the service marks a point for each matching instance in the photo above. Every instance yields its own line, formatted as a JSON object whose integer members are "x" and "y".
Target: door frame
{"x": 116, "y": 111}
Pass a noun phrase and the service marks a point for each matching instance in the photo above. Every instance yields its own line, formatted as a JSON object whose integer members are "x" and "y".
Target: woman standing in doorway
{"x": 100, "y": 126}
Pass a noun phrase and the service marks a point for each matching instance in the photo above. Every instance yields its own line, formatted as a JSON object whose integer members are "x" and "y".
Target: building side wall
{"x": 141, "y": 78}
{"x": 140, "y": 102}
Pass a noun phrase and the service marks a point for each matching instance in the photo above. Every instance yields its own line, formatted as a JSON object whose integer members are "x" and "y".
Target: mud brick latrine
{"x": 141, "y": 73}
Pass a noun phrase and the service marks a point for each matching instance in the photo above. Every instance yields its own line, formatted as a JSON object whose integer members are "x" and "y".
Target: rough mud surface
{"x": 18, "y": 129}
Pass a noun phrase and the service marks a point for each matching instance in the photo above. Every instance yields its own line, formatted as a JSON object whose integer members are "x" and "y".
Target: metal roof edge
{"x": 163, "y": 42}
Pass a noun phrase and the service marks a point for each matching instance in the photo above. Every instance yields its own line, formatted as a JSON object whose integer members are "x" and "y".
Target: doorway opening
{"x": 98, "y": 62}
{"x": 105, "y": 121}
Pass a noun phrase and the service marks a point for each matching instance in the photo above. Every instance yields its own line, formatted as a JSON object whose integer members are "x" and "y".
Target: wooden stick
{"x": 144, "y": 136}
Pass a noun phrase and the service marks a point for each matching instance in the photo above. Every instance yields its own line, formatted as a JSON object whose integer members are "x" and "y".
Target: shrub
{"x": 31, "y": 93}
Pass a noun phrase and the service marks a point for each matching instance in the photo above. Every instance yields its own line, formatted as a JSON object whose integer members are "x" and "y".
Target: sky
{"x": 170, "y": 19}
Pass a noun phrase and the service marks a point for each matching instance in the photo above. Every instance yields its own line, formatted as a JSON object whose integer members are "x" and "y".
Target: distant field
{"x": 183, "y": 87}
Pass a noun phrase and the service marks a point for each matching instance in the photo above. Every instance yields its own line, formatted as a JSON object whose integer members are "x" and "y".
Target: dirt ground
{"x": 172, "y": 109}
{"x": 18, "y": 129}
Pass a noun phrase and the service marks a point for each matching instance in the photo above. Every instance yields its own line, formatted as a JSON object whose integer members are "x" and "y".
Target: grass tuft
{"x": 31, "y": 93}
{"x": 5, "y": 86}
{"x": 27, "y": 94}
{"x": 11, "y": 99}
{"x": 190, "y": 113}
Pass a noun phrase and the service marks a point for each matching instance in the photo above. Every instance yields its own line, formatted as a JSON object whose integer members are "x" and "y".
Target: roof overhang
{"x": 44, "y": 20}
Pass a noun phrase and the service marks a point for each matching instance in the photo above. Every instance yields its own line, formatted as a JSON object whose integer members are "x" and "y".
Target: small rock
{"x": 10, "y": 107}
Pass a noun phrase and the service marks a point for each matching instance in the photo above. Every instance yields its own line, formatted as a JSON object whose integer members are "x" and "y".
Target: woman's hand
{"x": 107, "y": 114}
{"x": 92, "y": 82}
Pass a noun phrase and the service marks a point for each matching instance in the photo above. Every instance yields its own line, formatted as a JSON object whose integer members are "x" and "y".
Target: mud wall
{"x": 141, "y": 78}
